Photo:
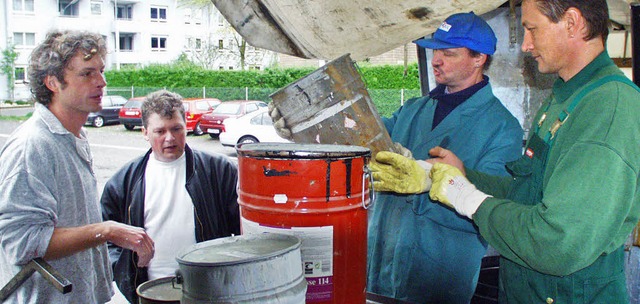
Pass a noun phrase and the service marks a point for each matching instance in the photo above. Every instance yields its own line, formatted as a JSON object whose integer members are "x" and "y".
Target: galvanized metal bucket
{"x": 332, "y": 106}
{"x": 158, "y": 291}
{"x": 261, "y": 268}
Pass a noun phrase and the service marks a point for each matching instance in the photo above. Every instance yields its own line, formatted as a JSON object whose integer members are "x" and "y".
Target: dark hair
{"x": 487, "y": 63}
{"x": 53, "y": 55}
{"x": 595, "y": 12}
{"x": 163, "y": 103}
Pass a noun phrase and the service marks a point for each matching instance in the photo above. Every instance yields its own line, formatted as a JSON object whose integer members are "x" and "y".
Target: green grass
{"x": 17, "y": 118}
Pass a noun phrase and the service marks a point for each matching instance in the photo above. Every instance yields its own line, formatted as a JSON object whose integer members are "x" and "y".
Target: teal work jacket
{"x": 419, "y": 250}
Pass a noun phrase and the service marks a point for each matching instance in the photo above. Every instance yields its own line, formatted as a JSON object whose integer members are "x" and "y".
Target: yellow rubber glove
{"x": 453, "y": 189}
{"x": 393, "y": 172}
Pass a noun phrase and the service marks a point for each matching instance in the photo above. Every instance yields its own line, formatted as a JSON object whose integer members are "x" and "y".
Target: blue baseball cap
{"x": 462, "y": 30}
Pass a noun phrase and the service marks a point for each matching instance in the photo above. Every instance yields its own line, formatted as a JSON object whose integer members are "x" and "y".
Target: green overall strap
{"x": 550, "y": 136}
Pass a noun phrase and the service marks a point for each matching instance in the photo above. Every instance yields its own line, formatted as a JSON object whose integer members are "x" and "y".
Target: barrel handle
{"x": 366, "y": 174}
{"x": 177, "y": 279}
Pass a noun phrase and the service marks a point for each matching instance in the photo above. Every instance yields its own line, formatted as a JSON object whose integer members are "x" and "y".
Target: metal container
{"x": 332, "y": 106}
{"x": 158, "y": 291}
{"x": 261, "y": 268}
{"x": 319, "y": 193}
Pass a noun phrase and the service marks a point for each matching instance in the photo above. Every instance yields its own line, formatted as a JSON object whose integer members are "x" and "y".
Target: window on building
{"x": 159, "y": 14}
{"x": 23, "y": 5}
{"x": 198, "y": 45}
{"x": 126, "y": 41}
{"x": 197, "y": 16}
{"x": 221, "y": 44}
{"x": 220, "y": 20}
{"x": 124, "y": 12}
{"x": 24, "y": 39}
{"x": 220, "y": 68}
{"x": 187, "y": 16}
{"x": 230, "y": 68}
{"x": 158, "y": 43}
{"x": 20, "y": 75}
{"x": 68, "y": 7}
{"x": 96, "y": 7}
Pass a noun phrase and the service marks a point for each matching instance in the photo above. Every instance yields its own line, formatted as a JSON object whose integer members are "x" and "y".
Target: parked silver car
{"x": 111, "y": 105}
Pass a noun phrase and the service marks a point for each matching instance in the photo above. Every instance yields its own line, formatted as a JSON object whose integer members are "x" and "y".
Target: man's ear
{"x": 575, "y": 24}
{"x": 480, "y": 60}
{"x": 145, "y": 133}
{"x": 52, "y": 83}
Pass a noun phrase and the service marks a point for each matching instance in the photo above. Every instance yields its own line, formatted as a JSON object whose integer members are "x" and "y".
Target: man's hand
{"x": 278, "y": 122}
{"x": 396, "y": 173}
{"x": 451, "y": 188}
{"x": 442, "y": 155}
{"x": 132, "y": 238}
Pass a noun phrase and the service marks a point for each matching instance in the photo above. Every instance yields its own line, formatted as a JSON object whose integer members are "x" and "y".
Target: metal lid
{"x": 162, "y": 290}
{"x": 238, "y": 249}
{"x": 293, "y": 150}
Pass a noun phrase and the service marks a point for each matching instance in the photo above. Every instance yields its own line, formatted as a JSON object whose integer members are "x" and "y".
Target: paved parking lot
{"x": 113, "y": 146}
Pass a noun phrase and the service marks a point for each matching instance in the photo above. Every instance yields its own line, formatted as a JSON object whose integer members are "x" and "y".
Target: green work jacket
{"x": 561, "y": 242}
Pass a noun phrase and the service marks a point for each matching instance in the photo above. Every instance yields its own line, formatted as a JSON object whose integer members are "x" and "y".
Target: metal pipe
{"x": 40, "y": 265}
{"x": 423, "y": 73}
{"x": 635, "y": 42}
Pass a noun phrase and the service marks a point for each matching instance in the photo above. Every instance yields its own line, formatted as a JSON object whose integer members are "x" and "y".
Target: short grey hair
{"x": 163, "y": 103}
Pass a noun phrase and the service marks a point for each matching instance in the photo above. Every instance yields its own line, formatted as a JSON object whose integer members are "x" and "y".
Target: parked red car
{"x": 212, "y": 123}
{"x": 130, "y": 114}
{"x": 194, "y": 108}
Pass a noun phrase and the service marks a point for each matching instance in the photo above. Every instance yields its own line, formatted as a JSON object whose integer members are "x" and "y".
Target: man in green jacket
{"x": 561, "y": 221}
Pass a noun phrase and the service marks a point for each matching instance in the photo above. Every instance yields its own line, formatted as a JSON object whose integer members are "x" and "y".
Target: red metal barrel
{"x": 318, "y": 193}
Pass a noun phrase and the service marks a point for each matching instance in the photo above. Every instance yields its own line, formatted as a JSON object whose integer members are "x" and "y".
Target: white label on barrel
{"x": 316, "y": 251}
{"x": 280, "y": 198}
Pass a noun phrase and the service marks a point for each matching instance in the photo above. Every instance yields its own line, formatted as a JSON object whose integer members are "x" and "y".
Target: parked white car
{"x": 249, "y": 128}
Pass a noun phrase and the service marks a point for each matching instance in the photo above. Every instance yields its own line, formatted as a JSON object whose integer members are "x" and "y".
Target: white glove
{"x": 451, "y": 188}
{"x": 279, "y": 123}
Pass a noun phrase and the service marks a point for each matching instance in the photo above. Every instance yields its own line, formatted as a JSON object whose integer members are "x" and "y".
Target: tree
{"x": 7, "y": 67}
{"x": 204, "y": 53}
{"x": 201, "y": 4}
{"x": 209, "y": 54}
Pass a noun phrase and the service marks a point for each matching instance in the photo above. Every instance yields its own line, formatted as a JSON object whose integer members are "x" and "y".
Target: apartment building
{"x": 138, "y": 33}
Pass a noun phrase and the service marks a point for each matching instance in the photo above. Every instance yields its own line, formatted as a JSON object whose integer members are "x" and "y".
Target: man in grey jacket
{"x": 48, "y": 191}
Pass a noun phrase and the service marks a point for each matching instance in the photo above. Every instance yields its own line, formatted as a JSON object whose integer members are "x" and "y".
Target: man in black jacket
{"x": 179, "y": 195}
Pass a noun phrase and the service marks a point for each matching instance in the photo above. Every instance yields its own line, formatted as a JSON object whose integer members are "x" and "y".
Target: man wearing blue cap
{"x": 419, "y": 250}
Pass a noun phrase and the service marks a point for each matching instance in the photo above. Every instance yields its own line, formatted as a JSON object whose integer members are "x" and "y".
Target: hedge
{"x": 385, "y": 84}
{"x": 183, "y": 76}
